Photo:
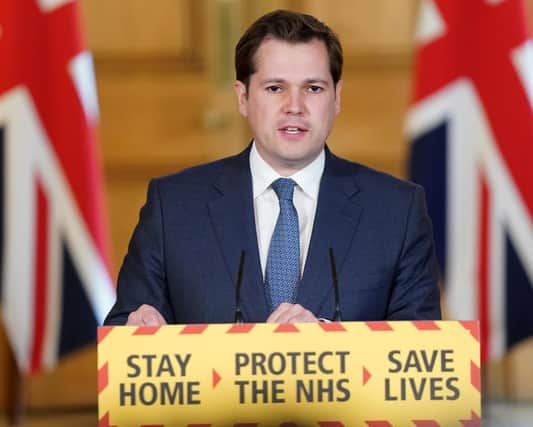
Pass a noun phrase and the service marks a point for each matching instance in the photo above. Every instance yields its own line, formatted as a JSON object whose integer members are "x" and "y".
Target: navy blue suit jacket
{"x": 184, "y": 254}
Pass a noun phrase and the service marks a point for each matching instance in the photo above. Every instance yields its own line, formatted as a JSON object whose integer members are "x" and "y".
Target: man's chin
{"x": 297, "y": 161}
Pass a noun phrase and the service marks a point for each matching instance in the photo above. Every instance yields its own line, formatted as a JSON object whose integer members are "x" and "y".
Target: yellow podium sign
{"x": 350, "y": 374}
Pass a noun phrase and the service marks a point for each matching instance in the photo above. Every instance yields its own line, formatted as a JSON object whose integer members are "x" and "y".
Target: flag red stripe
{"x": 65, "y": 120}
{"x": 483, "y": 260}
{"x": 41, "y": 278}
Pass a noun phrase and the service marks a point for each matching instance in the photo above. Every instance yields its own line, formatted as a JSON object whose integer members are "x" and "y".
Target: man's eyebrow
{"x": 321, "y": 81}
{"x": 272, "y": 80}
{"x": 306, "y": 81}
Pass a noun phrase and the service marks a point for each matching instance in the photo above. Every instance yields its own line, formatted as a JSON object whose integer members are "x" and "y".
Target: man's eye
{"x": 315, "y": 89}
{"x": 274, "y": 89}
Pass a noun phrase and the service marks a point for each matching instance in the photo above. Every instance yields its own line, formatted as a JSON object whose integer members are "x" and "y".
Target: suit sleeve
{"x": 415, "y": 294}
{"x": 142, "y": 278}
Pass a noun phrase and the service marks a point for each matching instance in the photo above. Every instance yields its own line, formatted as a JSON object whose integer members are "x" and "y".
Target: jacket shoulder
{"x": 199, "y": 176}
{"x": 369, "y": 179}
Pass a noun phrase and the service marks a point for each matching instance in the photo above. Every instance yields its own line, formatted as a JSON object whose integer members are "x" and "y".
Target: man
{"x": 285, "y": 201}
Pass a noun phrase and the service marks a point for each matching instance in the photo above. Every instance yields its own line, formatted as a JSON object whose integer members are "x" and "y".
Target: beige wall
{"x": 138, "y": 30}
{"x": 162, "y": 110}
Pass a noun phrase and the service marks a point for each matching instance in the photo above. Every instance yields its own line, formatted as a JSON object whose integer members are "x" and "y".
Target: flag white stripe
{"x": 457, "y": 104}
{"x": 50, "y": 5}
{"x": 54, "y": 290}
{"x": 497, "y": 303}
{"x": 82, "y": 74}
{"x": 463, "y": 193}
{"x": 18, "y": 116}
{"x": 28, "y": 154}
{"x": 85, "y": 256}
{"x": 514, "y": 210}
{"x": 522, "y": 58}
{"x": 430, "y": 25}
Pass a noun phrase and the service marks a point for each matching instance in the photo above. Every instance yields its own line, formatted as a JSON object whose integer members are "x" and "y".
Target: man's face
{"x": 291, "y": 102}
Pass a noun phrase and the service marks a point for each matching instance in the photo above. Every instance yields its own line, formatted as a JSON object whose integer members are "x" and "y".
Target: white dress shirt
{"x": 266, "y": 203}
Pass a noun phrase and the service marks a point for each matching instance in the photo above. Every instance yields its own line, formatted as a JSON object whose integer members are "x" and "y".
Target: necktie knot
{"x": 284, "y": 188}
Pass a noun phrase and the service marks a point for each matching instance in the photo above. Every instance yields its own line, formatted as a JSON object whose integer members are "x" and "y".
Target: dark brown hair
{"x": 292, "y": 27}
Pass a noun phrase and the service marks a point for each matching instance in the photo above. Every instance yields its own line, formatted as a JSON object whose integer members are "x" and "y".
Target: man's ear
{"x": 242, "y": 97}
{"x": 338, "y": 89}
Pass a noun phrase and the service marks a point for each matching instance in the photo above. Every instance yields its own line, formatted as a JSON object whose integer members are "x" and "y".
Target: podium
{"x": 346, "y": 374}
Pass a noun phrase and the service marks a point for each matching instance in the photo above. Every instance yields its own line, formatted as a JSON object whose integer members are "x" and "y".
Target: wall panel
{"x": 137, "y": 28}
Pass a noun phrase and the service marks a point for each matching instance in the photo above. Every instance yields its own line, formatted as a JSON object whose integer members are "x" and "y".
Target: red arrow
{"x": 366, "y": 375}
{"x": 216, "y": 378}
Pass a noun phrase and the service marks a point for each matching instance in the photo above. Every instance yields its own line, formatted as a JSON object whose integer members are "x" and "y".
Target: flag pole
{"x": 16, "y": 396}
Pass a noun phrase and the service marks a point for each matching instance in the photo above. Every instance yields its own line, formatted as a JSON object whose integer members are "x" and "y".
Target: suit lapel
{"x": 232, "y": 215}
{"x": 336, "y": 221}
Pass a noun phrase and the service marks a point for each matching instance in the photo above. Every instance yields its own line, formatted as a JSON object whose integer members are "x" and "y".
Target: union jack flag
{"x": 471, "y": 126}
{"x": 55, "y": 284}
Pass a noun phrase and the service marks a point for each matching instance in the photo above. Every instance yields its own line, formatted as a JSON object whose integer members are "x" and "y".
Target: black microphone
{"x": 238, "y": 314}
{"x": 337, "y": 316}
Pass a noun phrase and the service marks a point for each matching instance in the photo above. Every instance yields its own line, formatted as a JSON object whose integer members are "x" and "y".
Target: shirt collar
{"x": 308, "y": 178}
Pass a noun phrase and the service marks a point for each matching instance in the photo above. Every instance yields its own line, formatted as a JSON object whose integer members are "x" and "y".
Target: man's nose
{"x": 294, "y": 102}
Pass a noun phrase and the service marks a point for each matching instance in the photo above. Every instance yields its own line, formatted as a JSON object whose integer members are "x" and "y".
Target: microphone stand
{"x": 337, "y": 315}
{"x": 238, "y": 314}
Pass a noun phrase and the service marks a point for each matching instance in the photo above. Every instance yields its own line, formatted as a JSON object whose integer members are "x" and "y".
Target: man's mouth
{"x": 293, "y": 130}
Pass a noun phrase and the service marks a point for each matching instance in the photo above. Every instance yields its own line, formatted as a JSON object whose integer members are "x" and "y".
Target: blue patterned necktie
{"x": 283, "y": 261}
